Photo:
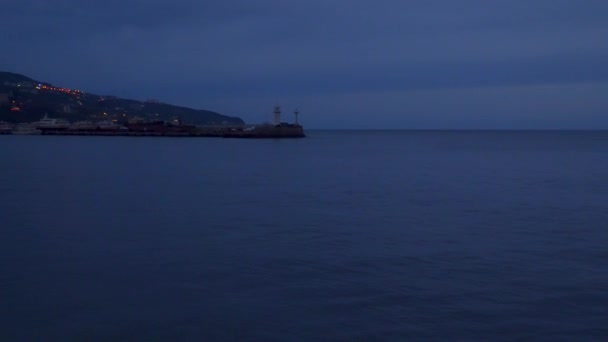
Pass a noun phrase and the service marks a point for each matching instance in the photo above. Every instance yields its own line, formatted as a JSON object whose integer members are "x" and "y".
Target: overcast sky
{"x": 344, "y": 64}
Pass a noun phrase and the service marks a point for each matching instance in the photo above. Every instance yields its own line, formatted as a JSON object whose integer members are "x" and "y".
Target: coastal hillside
{"x": 23, "y": 99}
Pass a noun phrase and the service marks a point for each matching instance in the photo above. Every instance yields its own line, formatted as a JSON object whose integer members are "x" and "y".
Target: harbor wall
{"x": 200, "y": 131}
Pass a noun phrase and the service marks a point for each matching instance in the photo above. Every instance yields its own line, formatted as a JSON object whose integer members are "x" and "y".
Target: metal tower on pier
{"x": 297, "y": 113}
{"x": 277, "y": 115}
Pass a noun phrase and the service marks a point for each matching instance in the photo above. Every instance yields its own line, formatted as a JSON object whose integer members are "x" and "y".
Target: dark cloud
{"x": 205, "y": 50}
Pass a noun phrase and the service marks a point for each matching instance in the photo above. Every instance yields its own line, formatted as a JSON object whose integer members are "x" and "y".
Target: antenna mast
{"x": 277, "y": 115}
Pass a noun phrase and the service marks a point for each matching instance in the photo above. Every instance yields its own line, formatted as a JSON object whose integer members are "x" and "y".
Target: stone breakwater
{"x": 262, "y": 131}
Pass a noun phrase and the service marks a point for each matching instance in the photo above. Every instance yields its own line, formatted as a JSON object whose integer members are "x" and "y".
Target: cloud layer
{"x": 232, "y": 54}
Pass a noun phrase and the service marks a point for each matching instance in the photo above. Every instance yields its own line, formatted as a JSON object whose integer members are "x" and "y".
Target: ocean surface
{"x": 342, "y": 236}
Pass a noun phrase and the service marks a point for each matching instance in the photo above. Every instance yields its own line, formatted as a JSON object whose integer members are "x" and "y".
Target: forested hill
{"x": 23, "y": 99}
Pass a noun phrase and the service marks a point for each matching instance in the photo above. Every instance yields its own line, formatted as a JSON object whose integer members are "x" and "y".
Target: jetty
{"x": 138, "y": 127}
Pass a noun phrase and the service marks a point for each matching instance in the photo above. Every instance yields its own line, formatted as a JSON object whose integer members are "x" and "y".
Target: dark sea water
{"x": 366, "y": 236}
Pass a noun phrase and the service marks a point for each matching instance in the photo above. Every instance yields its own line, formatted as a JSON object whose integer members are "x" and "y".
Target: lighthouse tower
{"x": 277, "y": 115}
{"x": 297, "y": 113}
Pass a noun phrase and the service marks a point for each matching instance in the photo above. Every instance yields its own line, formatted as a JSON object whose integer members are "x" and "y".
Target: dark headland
{"x": 29, "y": 106}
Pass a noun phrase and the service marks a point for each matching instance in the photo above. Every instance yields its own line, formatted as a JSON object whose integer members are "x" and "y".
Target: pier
{"x": 143, "y": 128}
{"x": 251, "y": 131}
